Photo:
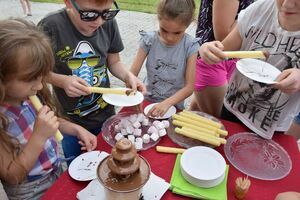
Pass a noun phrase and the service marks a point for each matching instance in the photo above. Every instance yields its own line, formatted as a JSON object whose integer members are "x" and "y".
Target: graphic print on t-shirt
{"x": 258, "y": 103}
{"x": 83, "y": 64}
{"x": 162, "y": 79}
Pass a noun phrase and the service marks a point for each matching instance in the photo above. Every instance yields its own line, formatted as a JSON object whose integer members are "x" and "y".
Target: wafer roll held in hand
{"x": 38, "y": 105}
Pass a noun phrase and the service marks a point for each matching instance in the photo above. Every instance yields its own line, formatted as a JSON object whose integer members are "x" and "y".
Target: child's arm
{"x": 15, "y": 170}
{"x": 138, "y": 61}
{"x": 74, "y": 86}
{"x": 212, "y": 52}
{"x": 223, "y": 17}
{"x": 88, "y": 141}
{"x": 118, "y": 69}
{"x": 161, "y": 108}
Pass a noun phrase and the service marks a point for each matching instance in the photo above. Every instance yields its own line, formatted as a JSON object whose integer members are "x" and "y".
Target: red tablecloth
{"x": 65, "y": 188}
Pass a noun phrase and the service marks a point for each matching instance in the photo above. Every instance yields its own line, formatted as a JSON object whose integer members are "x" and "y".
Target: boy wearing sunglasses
{"x": 86, "y": 42}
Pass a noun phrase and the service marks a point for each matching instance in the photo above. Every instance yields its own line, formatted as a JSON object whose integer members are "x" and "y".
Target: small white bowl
{"x": 203, "y": 166}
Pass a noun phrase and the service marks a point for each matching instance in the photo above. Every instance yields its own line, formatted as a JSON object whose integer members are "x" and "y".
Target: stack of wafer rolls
{"x": 194, "y": 126}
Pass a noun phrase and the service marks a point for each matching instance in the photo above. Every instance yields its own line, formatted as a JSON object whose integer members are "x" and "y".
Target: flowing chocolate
{"x": 124, "y": 160}
{"x": 130, "y": 92}
{"x": 123, "y": 170}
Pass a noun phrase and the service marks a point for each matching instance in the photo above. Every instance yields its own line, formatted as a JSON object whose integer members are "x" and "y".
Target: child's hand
{"x": 288, "y": 81}
{"x": 159, "y": 109}
{"x": 88, "y": 141}
{"x": 134, "y": 83}
{"x": 46, "y": 123}
{"x": 75, "y": 86}
{"x": 212, "y": 52}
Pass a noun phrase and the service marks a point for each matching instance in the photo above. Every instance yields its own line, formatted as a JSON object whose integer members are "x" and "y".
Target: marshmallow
{"x": 145, "y": 122}
{"x": 155, "y": 123}
{"x": 166, "y": 123}
{"x": 125, "y": 123}
{"x": 119, "y": 136}
{"x": 162, "y": 132}
{"x": 154, "y": 137}
{"x": 139, "y": 139}
{"x": 138, "y": 145}
{"x": 129, "y": 129}
{"x": 131, "y": 138}
{"x": 160, "y": 125}
{"x": 137, "y": 132}
{"x": 133, "y": 118}
{"x": 136, "y": 124}
{"x": 124, "y": 132}
{"x": 152, "y": 130}
{"x": 146, "y": 138}
{"x": 140, "y": 117}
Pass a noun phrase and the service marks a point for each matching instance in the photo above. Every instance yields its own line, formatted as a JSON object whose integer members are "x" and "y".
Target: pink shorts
{"x": 213, "y": 75}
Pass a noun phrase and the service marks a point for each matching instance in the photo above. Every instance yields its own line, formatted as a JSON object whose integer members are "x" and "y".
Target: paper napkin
{"x": 180, "y": 186}
{"x": 154, "y": 189}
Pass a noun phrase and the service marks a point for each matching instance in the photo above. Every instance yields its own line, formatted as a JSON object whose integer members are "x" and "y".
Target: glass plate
{"x": 257, "y": 157}
{"x": 108, "y": 130}
{"x": 187, "y": 142}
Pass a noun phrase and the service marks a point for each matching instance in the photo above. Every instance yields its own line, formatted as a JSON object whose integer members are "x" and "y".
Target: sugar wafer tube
{"x": 196, "y": 120}
{"x": 197, "y": 137}
{"x": 102, "y": 90}
{"x": 163, "y": 149}
{"x": 222, "y": 140}
{"x": 193, "y": 122}
{"x": 38, "y": 105}
{"x": 245, "y": 54}
{"x": 201, "y": 119}
{"x": 200, "y": 129}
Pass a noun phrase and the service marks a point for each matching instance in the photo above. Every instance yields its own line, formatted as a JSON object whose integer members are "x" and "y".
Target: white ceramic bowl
{"x": 203, "y": 166}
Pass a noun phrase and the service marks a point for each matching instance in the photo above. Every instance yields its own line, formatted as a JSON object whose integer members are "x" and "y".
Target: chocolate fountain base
{"x": 129, "y": 189}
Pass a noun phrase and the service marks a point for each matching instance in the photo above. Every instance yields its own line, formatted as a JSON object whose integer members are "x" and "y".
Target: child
{"x": 171, "y": 56}
{"x": 216, "y": 19}
{"x": 28, "y": 150}
{"x": 26, "y": 7}
{"x": 273, "y": 26}
{"x": 86, "y": 43}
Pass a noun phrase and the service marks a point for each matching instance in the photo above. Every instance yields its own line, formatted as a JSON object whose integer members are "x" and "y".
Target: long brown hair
{"x": 18, "y": 36}
{"x": 181, "y": 10}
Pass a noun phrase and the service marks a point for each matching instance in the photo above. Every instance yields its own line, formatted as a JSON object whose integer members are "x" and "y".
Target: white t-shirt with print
{"x": 259, "y": 106}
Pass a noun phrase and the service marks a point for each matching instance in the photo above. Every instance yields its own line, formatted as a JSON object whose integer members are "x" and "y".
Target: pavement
{"x": 130, "y": 23}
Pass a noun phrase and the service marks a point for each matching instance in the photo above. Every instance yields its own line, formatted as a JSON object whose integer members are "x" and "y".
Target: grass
{"x": 147, "y": 6}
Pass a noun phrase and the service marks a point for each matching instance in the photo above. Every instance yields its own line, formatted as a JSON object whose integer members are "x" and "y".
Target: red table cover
{"x": 65, "y": 188}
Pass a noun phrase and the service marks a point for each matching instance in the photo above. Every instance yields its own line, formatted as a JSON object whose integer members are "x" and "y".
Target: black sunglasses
{"x": 92, "y": 15}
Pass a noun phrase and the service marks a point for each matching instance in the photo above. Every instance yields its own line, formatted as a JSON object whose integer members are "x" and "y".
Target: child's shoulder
{"x": 190, "y": 40}
{"x": 148, "y": 37}
{"x": 54, "y": 18}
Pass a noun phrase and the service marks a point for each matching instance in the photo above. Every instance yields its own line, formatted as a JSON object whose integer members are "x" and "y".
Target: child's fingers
{"x": 153, "y": 111}
{"x": 219, "y": 45}
{"x": 44, "y": 110}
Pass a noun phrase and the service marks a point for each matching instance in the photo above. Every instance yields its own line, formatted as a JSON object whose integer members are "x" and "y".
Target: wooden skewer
{"x": 245, "y": 54}
{"x": 169, "y": 149}
{"x": 112, "y": 91}
{"x": 38, "y": 105}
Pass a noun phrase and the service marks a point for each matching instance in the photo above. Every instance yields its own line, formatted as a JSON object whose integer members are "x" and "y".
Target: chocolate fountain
{"x": 124, "y": 172}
